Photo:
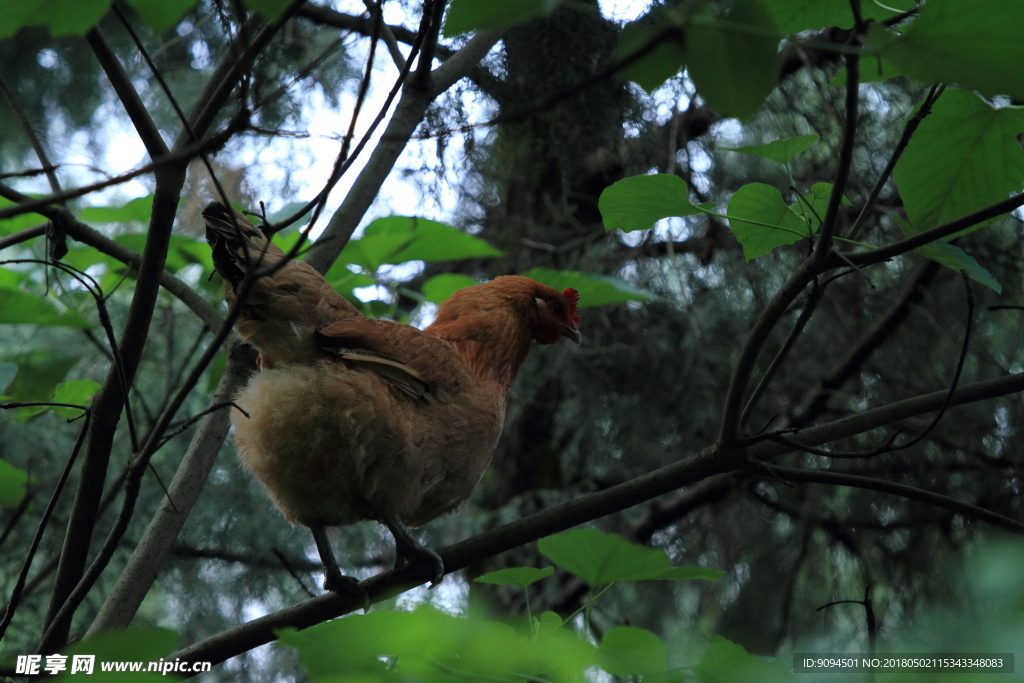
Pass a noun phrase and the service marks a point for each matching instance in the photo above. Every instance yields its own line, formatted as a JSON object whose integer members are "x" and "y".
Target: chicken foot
{"x": 408, "y": 549}
{"x": 334, "y": 580}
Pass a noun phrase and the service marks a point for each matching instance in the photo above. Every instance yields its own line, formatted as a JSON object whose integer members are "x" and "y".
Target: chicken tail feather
{"x": 237, "y": 244}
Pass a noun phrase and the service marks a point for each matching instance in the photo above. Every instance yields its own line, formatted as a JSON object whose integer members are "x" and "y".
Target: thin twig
{"x": 19, "y": 585}
{"x": 288, "y": 567}
{"x": 908, "y": 132}
{"x": 805, "y": 315}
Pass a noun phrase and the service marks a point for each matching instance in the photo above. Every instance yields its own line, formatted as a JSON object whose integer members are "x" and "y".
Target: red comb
{"x": 572, "y": 296}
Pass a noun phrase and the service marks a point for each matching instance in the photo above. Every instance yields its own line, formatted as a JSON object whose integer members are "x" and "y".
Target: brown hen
{"x": 352, "y": 418}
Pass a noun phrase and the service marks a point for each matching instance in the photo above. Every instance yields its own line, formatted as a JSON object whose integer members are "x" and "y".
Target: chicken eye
{"x": 556, "y": 309}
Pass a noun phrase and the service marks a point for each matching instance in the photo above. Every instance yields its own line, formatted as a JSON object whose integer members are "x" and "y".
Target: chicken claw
{"x": 408, "y": 549}
{"x": 334, "y": 580}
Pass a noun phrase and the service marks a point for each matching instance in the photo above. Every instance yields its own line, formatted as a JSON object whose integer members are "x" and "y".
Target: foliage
{"x": 737, "y": 238}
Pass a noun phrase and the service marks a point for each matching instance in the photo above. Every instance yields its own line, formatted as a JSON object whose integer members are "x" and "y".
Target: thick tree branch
{"x": 109, "y": 400}
{"x": 130, "y": 100}
{"x": 408, "y": 114}
{"x": 149, "y": 555}
{"x": 687, "y": 471}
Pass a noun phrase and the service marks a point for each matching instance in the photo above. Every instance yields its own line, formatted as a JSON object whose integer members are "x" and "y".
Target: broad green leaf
{"x": 7, "y": 374}
{"x": 964, "y": 156}
{"x": 951, "y": 256}
{"x": 160, "y": 15}
{"x": 148, "y": 644}
{"x": 761, "y": 220}
{"x": 818, "y": 199}
{"x": 371, "y": 252}
{"x": 872, "y": 69}
{"x": 594, "y": 290}
{"x": 516, "y": 576}
{"x": 397, "y": 239}
{"x": 548, "y": 623}
{"x": 627, "y": 651}
{"x": 78, "y": 392}
{"x": 430, "y": 240}
{"x": 440, "y": 287}
{"x": 973, "y": 43}
{"x": 781, "y": 151}
{"x": 287, "y": 211}
{"x": 139, "y": 209}
{"x": 417, "y": 642}
{"x": 692, "y": 573}
{"x": 270, "y": 9}
{"x": 38, "y": 374}
{"x": 9, "y": 226}
{"x": 12, "y": 484}
{"x": 182, "y": 251}
{"x": 793, "y": 16}
{"x": 344, "y": 280}
{"x": 18, "y": 307}
{"x": 660, "y": 63}
{"x": 62, "y": 17}
{"x": 599, "y": 558}
{"x": 476, "y": 15}
{"x": 638, "y": 202}
{"x": 727, "y": 662}
{"x": 733, "y": 59}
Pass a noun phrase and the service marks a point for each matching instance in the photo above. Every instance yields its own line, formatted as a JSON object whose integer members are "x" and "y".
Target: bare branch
{"x": 902, "y": 490}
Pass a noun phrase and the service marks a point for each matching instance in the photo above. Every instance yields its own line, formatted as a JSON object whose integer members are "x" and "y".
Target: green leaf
{"x": 638, "y": 202}
{"x": 181, "y": 251}
{"x": 12, "y": 484}
{"x": 594, "y": 290}
{"x": 818, "y": 199}
{"x": 964, "y": 157}
{"x": 62, "y": 17}
{"x": 287, "y": 211}
{"x": 78, "y": 392}
{"x": 430, "y": 241}
{"x": 761, "y": 220}
{"x": 160, "y": 15}
{"x": 9, "y": 226}
{"x": 599, "y": 558}
{"x": 627, "y": 651}
{"x": 516, "y": 576}
{"x": 478, "y": 15}
{"x": 973, "y": 43}
{"x": 548, "y": 623}
{"x": 793, "y": 16}
{"x": 270, "y": 9}
{"x": 38, "y": 374}
{"x": 7, "y": 374}
{"x": 440, "y": 287}
{"x": 139, "y": 209}
{"x": 148, "y": 644}
{"x": 951, "y": 256}
{"x": 727, "y": 662}
{"x": 18, "y": 307}
{"x": 397, "y": 239}
{"x": 344, "y": 280}
{"x": 662, "y": 62}
{"x": 733, "y": 60}
{"x": 781, "y": 151}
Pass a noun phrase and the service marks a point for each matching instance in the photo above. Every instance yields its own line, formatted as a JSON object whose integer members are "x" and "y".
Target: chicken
{"x": 352, "y": 418}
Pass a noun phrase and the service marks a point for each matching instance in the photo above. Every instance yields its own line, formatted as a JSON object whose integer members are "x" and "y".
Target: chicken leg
{"x": 408, "y": 549}
{"x": 334, "y": 580}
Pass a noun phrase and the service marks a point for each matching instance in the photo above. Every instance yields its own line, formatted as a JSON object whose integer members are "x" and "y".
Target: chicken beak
{"x": 572, "y": 333}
